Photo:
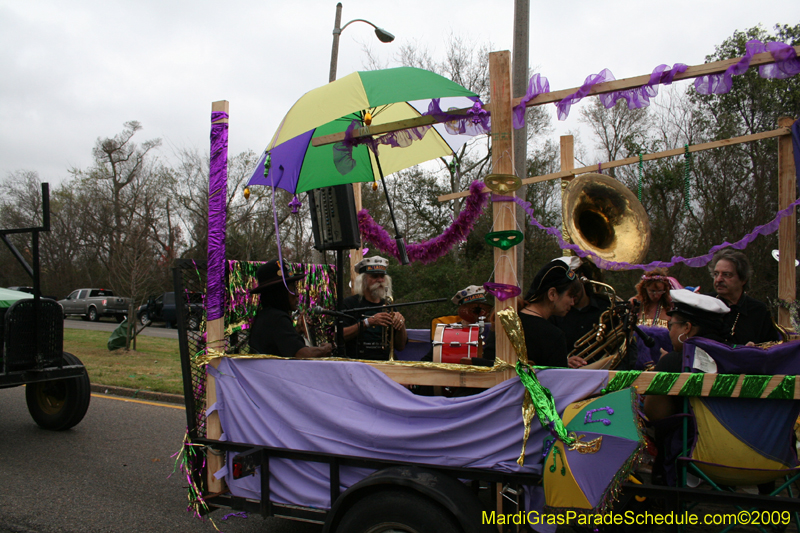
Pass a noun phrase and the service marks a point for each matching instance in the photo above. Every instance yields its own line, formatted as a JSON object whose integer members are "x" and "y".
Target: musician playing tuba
{"x": 374, "y": 332}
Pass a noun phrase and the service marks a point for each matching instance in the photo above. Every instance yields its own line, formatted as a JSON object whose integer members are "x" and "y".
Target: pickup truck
{"x": 162, "y": 308}
{"x": 91, "y": 304}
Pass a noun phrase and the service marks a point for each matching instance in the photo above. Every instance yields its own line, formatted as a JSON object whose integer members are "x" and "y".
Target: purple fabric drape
{"x": 786, "y": 65}
{"x": 537, "y": 85}
{"x": 217, "y": 215}
{"x": 702, "y": 260}
{"x": 350, "y": 408}
{"x": 640, "y": 96}
{"x": 477, "y": 122}
{"x": 593, "y": 79}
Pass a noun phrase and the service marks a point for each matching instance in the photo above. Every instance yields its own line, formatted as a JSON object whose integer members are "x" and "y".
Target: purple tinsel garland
{"x": 429, "y": 251}
{"x": 695, "y": 262}
{"x": 217, "y": 215}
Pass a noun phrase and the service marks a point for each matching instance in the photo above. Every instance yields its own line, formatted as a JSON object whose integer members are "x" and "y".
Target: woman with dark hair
{"x": 552, "y": 293}
{"x": 652, "y": 293}
{"x": 272, "y": 331}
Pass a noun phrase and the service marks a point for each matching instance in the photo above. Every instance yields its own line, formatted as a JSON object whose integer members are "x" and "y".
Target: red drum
{"x": 451, "y": 342}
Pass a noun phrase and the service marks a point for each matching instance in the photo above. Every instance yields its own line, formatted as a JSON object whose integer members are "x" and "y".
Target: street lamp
{"x": 383, "y": 35}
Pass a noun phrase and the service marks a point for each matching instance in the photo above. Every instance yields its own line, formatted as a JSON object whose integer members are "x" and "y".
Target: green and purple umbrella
{"x": 295, "y": 165}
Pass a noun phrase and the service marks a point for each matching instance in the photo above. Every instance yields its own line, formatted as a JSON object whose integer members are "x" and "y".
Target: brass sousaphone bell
{"x": 603, "y": 216}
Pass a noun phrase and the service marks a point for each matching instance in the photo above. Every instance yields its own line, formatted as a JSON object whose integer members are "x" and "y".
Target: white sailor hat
{"x": 473, "y": 293}
{"x": 372, "y": 265}
{"x": 705, "y": 310}
{"x": 572, "y": 261}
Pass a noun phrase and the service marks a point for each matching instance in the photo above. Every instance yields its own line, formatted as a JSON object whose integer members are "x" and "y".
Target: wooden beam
{"x": 567, "y": 154}
{"x": 787, "y": 231}
{"x": 717, "y": 67}
{"x": 409, "y": 375}
{"x": 646, "y": 157}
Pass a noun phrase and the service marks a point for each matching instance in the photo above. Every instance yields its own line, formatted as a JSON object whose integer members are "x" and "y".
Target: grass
{"x": 154, "y": 366}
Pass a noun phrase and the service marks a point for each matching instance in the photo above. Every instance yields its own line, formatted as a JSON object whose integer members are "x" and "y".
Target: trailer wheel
{"x": 396, "y": 511}
{"x": 60, "y": 404}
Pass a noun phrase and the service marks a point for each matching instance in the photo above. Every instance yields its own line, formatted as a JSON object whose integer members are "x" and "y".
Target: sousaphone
{"x": 603, "y": 216}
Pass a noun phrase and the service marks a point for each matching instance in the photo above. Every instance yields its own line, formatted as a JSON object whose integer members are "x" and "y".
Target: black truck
{"x": 57, "y": 388}
{"x": 164, "y": 308}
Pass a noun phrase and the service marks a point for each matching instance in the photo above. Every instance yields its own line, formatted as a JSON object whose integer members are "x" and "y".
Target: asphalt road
{"x": 110, "y": 473}
{"x": 109, "y": 324}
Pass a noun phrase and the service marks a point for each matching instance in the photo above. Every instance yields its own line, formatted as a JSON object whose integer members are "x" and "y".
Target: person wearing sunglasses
{"x": 749, "y": 320}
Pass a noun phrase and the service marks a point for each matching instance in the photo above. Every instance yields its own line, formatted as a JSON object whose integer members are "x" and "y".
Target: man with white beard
{"x": 369, "y": 338}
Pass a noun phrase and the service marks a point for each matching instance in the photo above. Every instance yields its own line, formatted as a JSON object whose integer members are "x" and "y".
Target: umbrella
{"x": 587, "y": 477}
{"x": 8, "y": 297}
{"x": 297, "y": 166}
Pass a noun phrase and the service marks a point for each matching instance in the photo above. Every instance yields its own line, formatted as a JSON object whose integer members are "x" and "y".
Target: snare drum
{"x": 451, "y": 342}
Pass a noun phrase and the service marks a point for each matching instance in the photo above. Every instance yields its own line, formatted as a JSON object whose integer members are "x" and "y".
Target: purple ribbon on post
{"x": 217, "y": 215}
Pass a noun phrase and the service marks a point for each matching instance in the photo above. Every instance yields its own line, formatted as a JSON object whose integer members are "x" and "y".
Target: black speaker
{"x": 333, "y": 218}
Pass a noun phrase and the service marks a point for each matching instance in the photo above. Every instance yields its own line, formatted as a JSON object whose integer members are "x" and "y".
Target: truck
{"x": 57, "y": 388}
{"x": 163, "y": 308}
{"x": 92, "y": 304}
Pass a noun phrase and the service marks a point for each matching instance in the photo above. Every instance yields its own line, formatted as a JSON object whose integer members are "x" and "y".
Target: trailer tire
{"x": 60, "y": 404}
{"x": 397, "y": 511}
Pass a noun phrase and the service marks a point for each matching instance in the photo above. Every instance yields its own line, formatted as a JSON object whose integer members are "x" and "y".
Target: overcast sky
{"x": 75, "y": 71}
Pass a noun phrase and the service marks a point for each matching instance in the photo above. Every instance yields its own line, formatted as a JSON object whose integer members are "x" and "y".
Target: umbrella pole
{"x": 401, "y": 245}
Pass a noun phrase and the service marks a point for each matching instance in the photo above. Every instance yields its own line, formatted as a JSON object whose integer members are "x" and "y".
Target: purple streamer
{"x": 343, "y": 150}
{"x": 786, "y": 65}
{"x": 639, "y": 97}
{"x": 537, "y": 85}
{"x": 477, "y": 122}
{"x": 217, "y": 215}
{"x": 593, "y": 79}
{"x": 429, "y": 251}
{"x": 695, "y": 262}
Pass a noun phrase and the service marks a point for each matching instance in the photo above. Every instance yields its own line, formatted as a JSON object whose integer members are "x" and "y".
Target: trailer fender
{"x": 445, "y": 491}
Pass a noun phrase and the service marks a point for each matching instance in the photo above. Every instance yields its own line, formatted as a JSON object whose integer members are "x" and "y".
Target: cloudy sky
{"x": 75, "y": 71}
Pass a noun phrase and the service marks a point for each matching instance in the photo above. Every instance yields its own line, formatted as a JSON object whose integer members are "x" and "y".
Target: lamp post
{"x": 384, "y": 37}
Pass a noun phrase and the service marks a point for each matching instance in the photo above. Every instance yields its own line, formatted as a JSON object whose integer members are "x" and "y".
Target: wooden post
{"x": 504, "y": 213}
{"x": 355, "y": 255}
{"x": 567, "y": 163}
{"x": 215, "y": 335}
{"x": 787, "y": 231}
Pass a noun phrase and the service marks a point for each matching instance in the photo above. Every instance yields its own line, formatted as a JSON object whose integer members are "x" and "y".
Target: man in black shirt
{"x": 749, "y": 320}
{"x": 372, "y": 334}
{"x": 272, "y": 331}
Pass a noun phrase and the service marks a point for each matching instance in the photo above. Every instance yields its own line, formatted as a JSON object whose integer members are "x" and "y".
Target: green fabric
{"x": 662, "y": 383}
{"x": 723, "y": 386}
{"x": 753, "y": 386}
{"x": 118, "y": 336}
{"x": 544, "y": 403}
{"x": 784, "y": 391}
{"x": 622, "y": 424}
{"x": 693, "y": 386}
{"x": 622, "y": 380}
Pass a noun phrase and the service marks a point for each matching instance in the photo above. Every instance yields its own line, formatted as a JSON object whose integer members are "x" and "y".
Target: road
{"x": 110, "y": 325}
{"x": 110, "y": 473}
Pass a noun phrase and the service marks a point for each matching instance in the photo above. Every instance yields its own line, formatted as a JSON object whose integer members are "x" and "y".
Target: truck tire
{"x": 397, "y": 511}
{"x": 60, "y": 404}
{"x": 144, "y": 319}
{"x": 92, "y": 315}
